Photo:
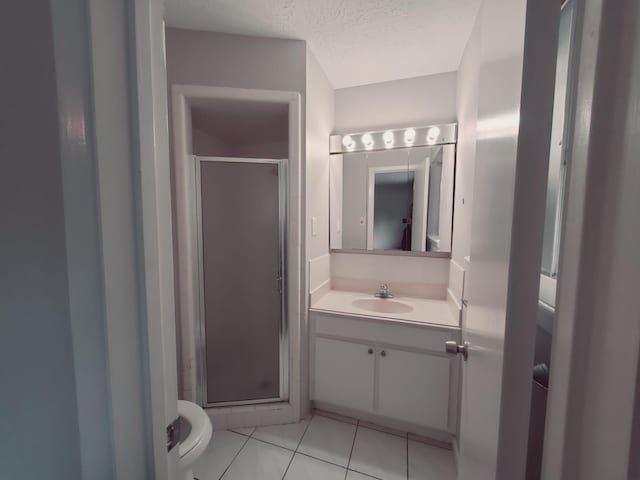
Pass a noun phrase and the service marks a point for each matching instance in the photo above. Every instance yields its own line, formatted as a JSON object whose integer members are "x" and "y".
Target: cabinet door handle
{"x": 383, "y": 353}
{"x": 370, "y": 351}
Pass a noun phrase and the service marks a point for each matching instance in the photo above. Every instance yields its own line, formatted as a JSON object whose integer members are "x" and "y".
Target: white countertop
{"x": 425, "y": 311}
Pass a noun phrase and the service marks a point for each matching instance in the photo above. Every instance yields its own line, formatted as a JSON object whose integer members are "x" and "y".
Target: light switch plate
{"x": 314, "y": 226}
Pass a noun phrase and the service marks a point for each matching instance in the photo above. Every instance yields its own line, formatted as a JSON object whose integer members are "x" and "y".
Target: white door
{"x": 414, "y": 387}
{"x": 506, "y": 236}
{"x": 156, "y": 230}
{"x": 344, "y": 373}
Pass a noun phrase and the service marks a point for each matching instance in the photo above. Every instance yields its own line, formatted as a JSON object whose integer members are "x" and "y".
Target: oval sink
{"x": 382, "y": 305}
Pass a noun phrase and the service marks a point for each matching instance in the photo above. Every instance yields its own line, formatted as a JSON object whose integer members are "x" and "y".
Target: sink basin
{"x": 382, "y": 305}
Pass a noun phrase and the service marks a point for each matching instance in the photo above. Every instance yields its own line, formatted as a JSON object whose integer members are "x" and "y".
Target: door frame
{"x": 201, "y": 348}
{"x": 184, "y": 208}
{"x": 371, "y": 195}
{"x": 591, "y": 420}
{"x": 155, "y": 230}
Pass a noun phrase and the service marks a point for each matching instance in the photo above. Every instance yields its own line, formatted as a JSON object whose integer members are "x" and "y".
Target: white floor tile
{"x": 244, "y": 431}
{"x": 307, "y": 468}
{"x": 259, "y": 460}
{"x": 379, "y": 454}
{"x": 328, "y": 440}
{"x": 430, "y": 463}
{"x": 287, "y": 436}
{"x": 223, "y": 447}
{"x": 351, "y": 475}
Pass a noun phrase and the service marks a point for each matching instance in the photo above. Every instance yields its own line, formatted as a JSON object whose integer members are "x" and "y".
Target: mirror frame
{"x": 425, "y": 136}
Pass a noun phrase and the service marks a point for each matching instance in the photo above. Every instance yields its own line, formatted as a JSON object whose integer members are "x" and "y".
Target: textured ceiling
{"x": 356, "y": 41}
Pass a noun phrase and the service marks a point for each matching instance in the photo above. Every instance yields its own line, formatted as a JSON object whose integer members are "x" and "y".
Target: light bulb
{"x": 409, "y": 135}
{"x": 388, "y": 138}
{"x": 347, "y": 141}
{"x": 367, "y": 140}
{"x": 432, "y": 135}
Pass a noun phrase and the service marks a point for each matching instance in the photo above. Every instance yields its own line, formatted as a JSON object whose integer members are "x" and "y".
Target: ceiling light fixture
{"x": 367, "y": 141}
{"x": 409, "y": 136}
{"x": 347, "y": 141}
{"x": 388, "y": 138}
{"x": 432, "y": 135}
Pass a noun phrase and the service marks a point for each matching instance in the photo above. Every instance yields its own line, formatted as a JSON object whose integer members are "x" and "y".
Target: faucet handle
{"x": 384, "y": 292}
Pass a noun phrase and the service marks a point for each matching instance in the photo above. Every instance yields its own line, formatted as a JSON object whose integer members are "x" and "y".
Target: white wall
{"x": 467, "y": 113}
{"x": 400, "y": 103}
{"x": 319, "y": 125}
{"x": 207, "y": 144}
{"x": 224, "y": 60}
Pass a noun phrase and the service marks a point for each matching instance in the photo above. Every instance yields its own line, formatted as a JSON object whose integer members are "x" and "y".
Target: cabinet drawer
{"x": 384, "y": 332}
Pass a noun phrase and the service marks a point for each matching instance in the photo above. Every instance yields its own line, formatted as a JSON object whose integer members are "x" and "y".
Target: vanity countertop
{"x": 425, "y": 311}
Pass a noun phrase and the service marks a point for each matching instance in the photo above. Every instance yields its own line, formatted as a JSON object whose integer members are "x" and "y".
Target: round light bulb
{"x": 388, "y": 138}
{"x": 409, "y": 135}
{"x": 347, "y": 141}
{"x": 367, "y": 140}
{"x": 432, "y": 135}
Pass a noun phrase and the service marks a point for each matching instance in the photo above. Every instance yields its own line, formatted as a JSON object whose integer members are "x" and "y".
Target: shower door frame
{"x": 200, "y": 342}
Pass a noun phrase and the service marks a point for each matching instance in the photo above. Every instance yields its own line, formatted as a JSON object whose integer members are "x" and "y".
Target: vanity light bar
{"x": 397, "y": 138}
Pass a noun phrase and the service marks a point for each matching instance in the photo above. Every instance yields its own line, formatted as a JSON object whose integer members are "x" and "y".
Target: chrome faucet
{"x": 384, "y": 292}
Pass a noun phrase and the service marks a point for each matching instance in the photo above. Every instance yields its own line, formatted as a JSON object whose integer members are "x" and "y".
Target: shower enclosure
{"x": 241, "y": 336}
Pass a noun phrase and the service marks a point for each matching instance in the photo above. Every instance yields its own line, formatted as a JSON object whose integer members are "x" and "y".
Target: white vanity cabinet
{"x": 384, "y": 370}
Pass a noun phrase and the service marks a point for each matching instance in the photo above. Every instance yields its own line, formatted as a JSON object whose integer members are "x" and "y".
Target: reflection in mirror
{"x": 393, "y": 200}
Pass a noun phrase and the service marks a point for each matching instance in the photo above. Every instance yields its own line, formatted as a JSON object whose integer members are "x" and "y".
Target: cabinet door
{"x": 344, "y": 373}
{"x": 414, "y": 387}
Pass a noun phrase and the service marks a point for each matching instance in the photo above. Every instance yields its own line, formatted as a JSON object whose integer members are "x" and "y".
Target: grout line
{"x": 355, "y": 434}
{"x": 305, "y": 432}
{"x": 243, "y": 434}
{"x": 364, "y": 474}
{"x": 321, "y": 459}
{"x": 273, "y": 444}
{"x": 234, "y": 458}
{"x": 297, "y": 446}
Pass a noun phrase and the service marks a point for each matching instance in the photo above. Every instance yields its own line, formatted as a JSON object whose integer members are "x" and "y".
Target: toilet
{"x": 195, "y": 434}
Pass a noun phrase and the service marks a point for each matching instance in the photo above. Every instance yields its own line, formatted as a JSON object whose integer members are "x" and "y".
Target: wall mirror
{"x": 392, "y": 191}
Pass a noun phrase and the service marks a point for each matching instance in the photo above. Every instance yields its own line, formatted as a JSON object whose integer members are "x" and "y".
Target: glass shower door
{"x": 241, "y": 223}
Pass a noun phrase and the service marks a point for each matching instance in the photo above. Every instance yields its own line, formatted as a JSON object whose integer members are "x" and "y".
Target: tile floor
{"x": 321, "y": 448}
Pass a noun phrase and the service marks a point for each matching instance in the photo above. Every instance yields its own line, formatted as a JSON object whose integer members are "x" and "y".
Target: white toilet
{"x": 195, "y": 435}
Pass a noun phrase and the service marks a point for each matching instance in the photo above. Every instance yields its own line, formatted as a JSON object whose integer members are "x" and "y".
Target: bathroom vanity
{"x": 383, "y": 360}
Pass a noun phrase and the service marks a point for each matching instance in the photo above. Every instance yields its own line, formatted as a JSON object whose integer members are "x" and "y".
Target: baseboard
{"x": 416, "y": 432}
{"x": 278, "y": 413}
